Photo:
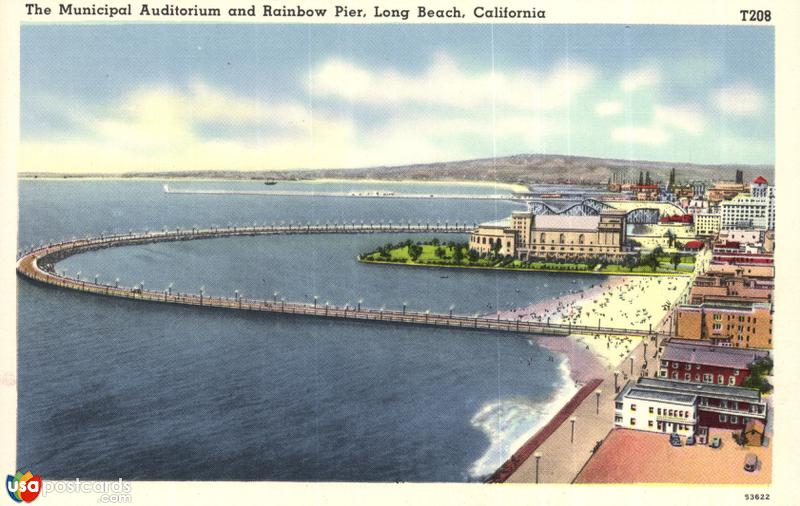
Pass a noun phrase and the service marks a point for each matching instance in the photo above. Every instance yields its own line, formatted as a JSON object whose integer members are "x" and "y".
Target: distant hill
{"x": 526, "y": 169}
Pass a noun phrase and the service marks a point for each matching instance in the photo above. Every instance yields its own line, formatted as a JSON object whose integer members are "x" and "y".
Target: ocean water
{"x": 112, "y": 388}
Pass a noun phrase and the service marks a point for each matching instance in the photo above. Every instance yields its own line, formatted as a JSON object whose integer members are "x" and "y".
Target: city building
{"x": 714, "y": 286}
{"x": 741, "y": 325}
{"x": 724, "y": 191}
{"x": 687, "y": 409}
{"x": 754, "y": 210}
{"x": 707, "y": 224}
{"x": 756, "y": 271}
{"x": 530, "y": 236}
{"x": 700, "y": 362}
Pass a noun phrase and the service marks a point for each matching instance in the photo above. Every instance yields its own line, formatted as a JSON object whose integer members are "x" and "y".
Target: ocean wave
{"x": 509, "y": 423}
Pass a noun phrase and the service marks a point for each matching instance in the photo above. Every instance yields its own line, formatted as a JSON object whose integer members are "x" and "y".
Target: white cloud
{"x": 686, "y": 118}
{"x": 203, "y": 127}
{"x": 445, "y": 83}
{"x": 643, "y": 77}
{"x": 651, "y": 136}
{"x": 608, "y": 108}
{"x": 740, "y": 100}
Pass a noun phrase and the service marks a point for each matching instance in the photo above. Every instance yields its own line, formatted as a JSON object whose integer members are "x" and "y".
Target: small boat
{"x": 444, "y": 277}
{"x": 270, "y": 183}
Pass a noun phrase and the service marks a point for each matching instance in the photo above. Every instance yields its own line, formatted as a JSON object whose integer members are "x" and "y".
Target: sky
{"x": 143, "y": 97}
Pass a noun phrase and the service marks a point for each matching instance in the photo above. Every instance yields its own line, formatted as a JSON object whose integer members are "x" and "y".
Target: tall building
{"x": 537, "y": 236}
{"x": 753, "y": 210}
{"x": 741, "y": 325}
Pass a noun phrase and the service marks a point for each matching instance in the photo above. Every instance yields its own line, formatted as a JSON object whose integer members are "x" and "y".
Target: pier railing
{"x": 38, "y": 265}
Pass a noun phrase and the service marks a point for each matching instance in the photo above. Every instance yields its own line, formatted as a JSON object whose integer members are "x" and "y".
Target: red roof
{"x": 694, "y": 245}
{"x": 760, "y": 180}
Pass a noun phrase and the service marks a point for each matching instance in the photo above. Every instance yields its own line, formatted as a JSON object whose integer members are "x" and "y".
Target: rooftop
{"x": 563, "y": 222}
{"x": 707, "y": 389}
{"x": 760, "y": 180}
{"x": 721, "y": 356}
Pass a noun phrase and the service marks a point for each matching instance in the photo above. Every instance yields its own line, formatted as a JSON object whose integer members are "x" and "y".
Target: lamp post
{"x": 538, "y": 456}
{"x": 597, "y": 394}
{"x": 572, "y": 433}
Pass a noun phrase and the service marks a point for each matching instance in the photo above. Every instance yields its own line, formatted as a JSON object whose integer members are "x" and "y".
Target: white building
{"x": 755, "y": 210}
{"x": 707, "y": 224}
{"x": 642, "y": 408}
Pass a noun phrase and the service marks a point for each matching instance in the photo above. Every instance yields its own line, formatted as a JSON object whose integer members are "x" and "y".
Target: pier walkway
{"x": 38, "y": 264}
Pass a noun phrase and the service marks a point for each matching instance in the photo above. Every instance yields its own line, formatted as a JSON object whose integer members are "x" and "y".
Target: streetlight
{"x": 572, "y": 434}
{"x": 597, "y": 394}
{"x": 538, "y": 456}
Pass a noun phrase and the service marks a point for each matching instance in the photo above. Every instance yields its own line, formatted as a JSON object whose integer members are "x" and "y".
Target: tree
{"x": 439, "y": 252}
{"x": 675, "y": 260}
{"x": 473, "y": 255}
{"x": 458, "y": 254}
{"x": 496, "y": 245}
{"x": 670, "y": 238}
{"x": 414, "y": 251}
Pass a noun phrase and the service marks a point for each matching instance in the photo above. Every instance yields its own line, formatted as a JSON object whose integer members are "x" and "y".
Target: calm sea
{"x": 111, "y": 388}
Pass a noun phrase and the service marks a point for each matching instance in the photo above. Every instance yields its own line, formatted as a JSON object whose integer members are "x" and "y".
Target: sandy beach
{"x": 638, "y": 302}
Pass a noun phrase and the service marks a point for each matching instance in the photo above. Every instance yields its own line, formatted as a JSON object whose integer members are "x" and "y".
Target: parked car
{"x": 675, "y": 440}
{"x": 716, "y": 442}
{"x": 690, "y": 441}
{"x": 750, "y": 462}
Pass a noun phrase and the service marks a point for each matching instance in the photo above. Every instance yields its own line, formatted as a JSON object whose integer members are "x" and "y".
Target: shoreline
{"x": 489, "y": 268}
{"x": 484, "y": 184}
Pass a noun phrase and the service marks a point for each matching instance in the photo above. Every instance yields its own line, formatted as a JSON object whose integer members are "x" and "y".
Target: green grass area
{"x": 427, "y": 256}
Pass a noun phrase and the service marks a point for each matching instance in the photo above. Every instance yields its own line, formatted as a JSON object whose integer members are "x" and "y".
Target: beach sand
{"x": 637, "y": 302}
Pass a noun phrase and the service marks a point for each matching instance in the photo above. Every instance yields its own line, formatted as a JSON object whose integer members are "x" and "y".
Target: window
{"x": 659, "y": 411}
{"x": 723, "y": 418}
{"x": 560, "y": 238}
{"x": 717, "y": 317}
{"x": 651, "y": 410}
{"x": 708, "y": 378}
{"x": 721, "y": 379}
{"x": 674, "y": 365}
{"x": 618, "y": 405}
{"x": 687, "y": 376}
{"x": 633, "y": 421}
{"x": 688, "y": 367}
{"x": 580, "y": 239}
{"x": 697, "y": 377}
{"x": 650, "y": 423}
{"x": 633, "y": 407}
{"x": 731, "y": 380}
{"x": 734, "y": 419}
{"x": 717, "y": 326}
{"x": 618, "y": 419}
{"x": 542, "y": 237}
{"x": 675, "y": 375}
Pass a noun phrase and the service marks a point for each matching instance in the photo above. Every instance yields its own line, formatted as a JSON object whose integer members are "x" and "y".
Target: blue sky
{"x": 111, "y": 98}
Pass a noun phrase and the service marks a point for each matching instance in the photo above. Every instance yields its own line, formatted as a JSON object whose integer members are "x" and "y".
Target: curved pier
{"x": 38, "y": 265}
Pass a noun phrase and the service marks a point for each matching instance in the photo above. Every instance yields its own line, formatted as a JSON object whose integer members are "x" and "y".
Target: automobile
{"x": 716, "y": 442}
{"x": 675, "y": 440}
{"x": 690, "y": 441}
{"x": 750, "y": 462}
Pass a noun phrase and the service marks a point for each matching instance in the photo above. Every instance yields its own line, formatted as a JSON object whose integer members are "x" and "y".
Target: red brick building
{"x": 699, "y": 362}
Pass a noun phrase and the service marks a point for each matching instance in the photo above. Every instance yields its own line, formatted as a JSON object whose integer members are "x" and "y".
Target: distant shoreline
{"x": 484, "y": 184}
